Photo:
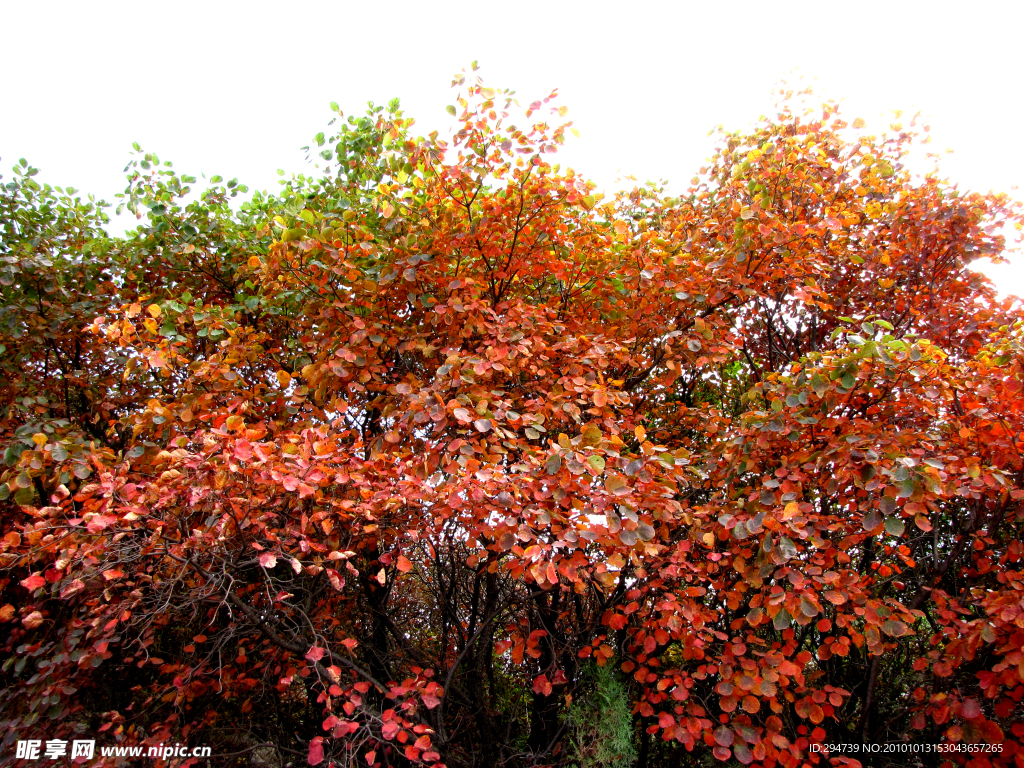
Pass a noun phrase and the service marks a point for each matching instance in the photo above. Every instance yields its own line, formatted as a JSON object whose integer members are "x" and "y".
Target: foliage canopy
{"x": 390, "y": 467}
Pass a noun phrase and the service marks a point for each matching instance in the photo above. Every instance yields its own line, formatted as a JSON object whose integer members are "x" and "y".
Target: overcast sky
{"x": 236, "y": 88}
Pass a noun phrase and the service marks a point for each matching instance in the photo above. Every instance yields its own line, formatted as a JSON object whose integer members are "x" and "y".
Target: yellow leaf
{"x": 283, "y": 378}
{"x": 254, "y": 262}
{"x": 39, "y": 438}
{"x": 154, "y": 310}
{"x": 859, "y": 123}
{"x": 640, "y": 432}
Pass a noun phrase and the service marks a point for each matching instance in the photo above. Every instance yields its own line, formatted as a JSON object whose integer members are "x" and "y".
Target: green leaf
{"x": 554, "y": 463}
{"x": 782, "y": 620}
{"x": 872, "y": 520}
{"x": 450, "y": 110}
{"x": 13, "y": 453}
{"x": 819, "y": 385}
{"x": 894, "y": 526}
{"x": 895, "y": 628}
{"x": 787, "y": 548}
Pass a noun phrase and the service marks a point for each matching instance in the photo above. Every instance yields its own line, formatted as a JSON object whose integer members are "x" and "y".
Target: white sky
{"x": 236, "y": 88}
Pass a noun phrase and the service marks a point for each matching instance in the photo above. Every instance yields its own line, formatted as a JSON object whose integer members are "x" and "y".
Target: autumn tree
{"x": 417, "y": 459}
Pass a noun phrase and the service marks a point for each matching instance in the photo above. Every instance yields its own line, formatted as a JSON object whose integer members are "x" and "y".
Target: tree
{"x": 380, "y": 469}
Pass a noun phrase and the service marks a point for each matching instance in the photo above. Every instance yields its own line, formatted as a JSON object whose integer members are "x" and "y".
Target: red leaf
{"x": 268, "y": 560}
{"x": 970, "y": 709}
{"x": 316, "y": 751}
{"x": 404, "y": 564}
{"x": 542, "y": 685}
{"x": 315, "y": 653}
{"x": 243, "y": 450}
{"x": 33, "y": 582}
{"x": 72, "y": 588}
{"x": 336, "y": 579}
{"x": 98, "y": 522}
{"x": 803, "y": 707}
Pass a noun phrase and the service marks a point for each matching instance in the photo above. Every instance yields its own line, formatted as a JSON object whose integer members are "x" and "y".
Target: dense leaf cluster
{"x": 438, "y": 456}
